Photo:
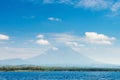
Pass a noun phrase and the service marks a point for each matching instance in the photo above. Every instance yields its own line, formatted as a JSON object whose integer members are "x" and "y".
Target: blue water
{"x": 59, "y": 75}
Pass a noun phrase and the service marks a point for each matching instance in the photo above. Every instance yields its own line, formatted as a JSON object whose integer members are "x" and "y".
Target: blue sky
{"x": 89, "y": 27}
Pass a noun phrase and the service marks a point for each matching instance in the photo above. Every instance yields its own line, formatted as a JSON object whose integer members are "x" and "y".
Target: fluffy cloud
{"x": 43, "y": 42}
{"x": 95, "y": 38}
{"x": 4, "y": 37}
{"x": 54, "y": 19}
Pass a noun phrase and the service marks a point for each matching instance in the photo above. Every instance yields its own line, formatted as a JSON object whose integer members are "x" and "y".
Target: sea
{"x": 60, "y": 75}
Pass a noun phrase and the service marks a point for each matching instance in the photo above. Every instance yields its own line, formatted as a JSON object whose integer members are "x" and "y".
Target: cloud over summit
{"x": 41, "y": 40}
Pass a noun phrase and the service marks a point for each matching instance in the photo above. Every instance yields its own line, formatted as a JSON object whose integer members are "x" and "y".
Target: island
{"x": 47, "y": 68}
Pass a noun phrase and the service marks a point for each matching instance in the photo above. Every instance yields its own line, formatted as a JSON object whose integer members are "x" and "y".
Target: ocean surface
{"x": 60, "y": 75}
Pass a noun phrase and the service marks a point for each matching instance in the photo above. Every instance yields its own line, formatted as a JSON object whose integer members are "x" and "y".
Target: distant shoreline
{"x": 43, "y": 68}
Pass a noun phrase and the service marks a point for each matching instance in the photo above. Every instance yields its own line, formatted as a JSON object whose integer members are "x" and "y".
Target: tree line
{"x": 43, "y": 68}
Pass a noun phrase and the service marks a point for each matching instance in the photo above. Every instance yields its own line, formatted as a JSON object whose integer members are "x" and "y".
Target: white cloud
{"x": 54, "y": 19}
{"x": 40, "y": 36}
{"x": 72, "y": 43}
{"x": 89, "y": 38}
{"x": 69, "y": 40}
{"x": 95, "y": 38}
{"x": 66, "y": 37}
{"x": 55, "y": 48}
{"x": 43, "y": 42}
{"x": 94, "y": 4}
{"x": 115, "y": 7}
{"x": 110, "y": 5}
{"x": 4, "y": 37}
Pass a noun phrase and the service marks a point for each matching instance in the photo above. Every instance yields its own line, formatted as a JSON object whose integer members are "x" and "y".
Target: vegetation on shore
{"x": 42, "y": 68}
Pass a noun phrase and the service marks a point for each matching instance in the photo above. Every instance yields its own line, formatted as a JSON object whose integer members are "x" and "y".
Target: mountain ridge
{"x": 62, "y": 57}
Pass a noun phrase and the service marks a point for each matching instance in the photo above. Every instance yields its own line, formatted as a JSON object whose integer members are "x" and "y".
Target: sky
{"x": 30, "y": 28}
